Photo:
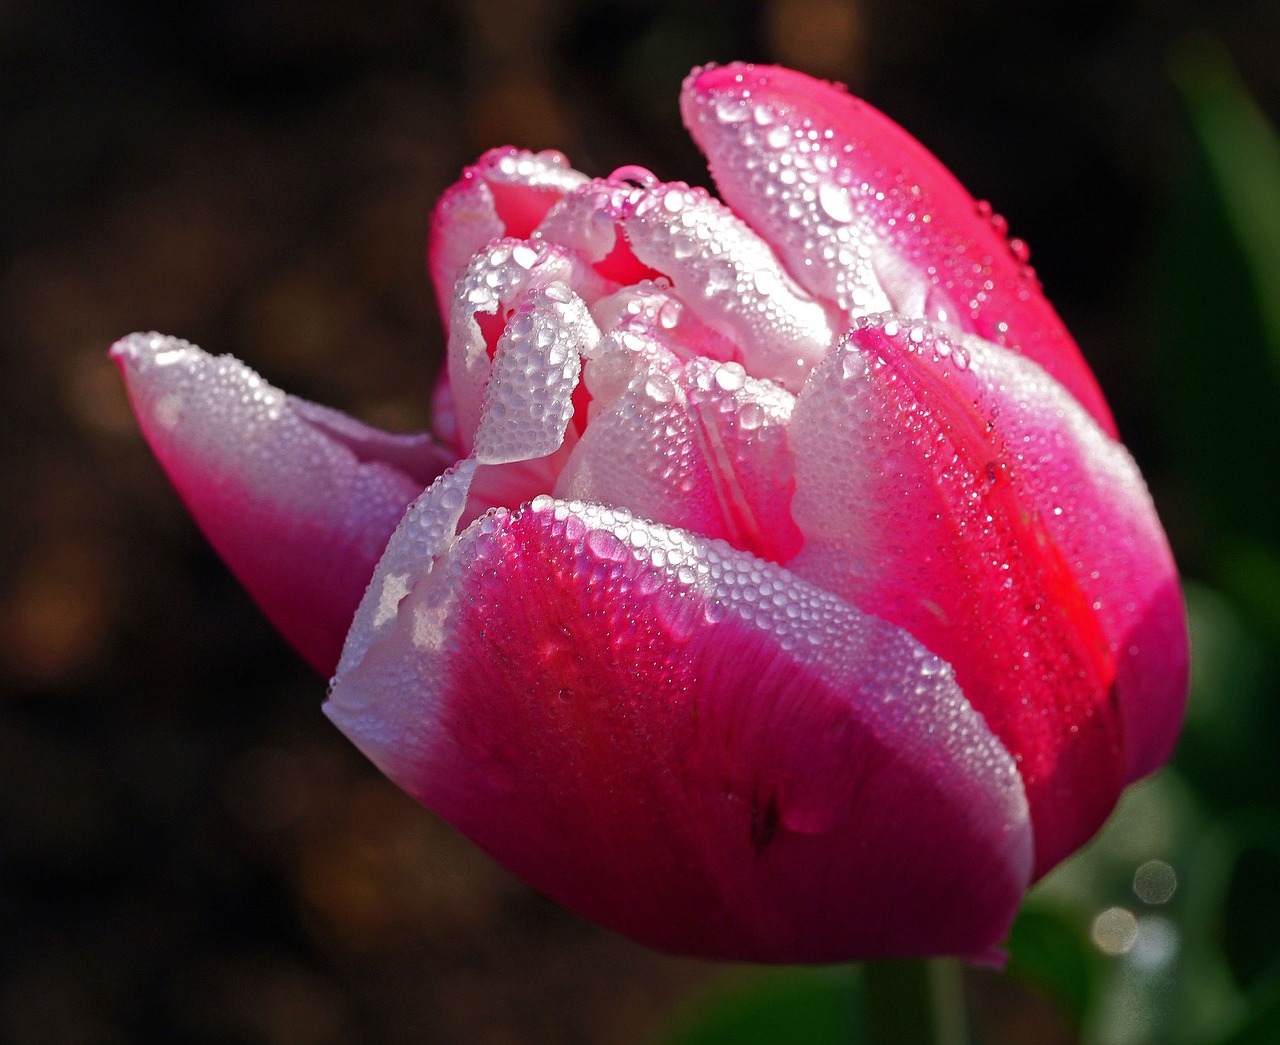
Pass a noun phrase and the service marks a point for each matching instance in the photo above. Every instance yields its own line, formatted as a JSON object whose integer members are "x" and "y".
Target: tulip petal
{"x": 742, "y": 423}
{"x": 298, "y": 500}
{"x": 528, "y": 401}
{"x": 690, "y": 745}
{"x": 864, "y": 216}
{"x": 697, "y": 445}
{"x": 654, "y": 306}
{"x": 424, "y": 533}
{"x": 731, "y": 279}
{"x": 507, "y": 192}
{"x": 495, "y": 282}
{"x": 955, "y": 489}
{"x": 641, "y": 448}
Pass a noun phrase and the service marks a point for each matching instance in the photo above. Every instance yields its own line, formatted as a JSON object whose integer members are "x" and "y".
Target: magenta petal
{"x": 955, "y": 489}
{"x": 690, "y": 745}
{"x": 298, "y": 500}
{"x": 865, "y": 216}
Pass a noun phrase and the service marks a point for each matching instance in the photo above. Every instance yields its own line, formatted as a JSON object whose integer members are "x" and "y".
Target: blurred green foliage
{"x": 1195, "y": 958}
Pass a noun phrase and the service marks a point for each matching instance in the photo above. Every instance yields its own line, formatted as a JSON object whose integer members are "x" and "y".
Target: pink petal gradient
{"x": 955, "y": 489}
{"x": 866, "y": 217}
{"x": 299, "y": 500}
{"x": 690, "y": 745}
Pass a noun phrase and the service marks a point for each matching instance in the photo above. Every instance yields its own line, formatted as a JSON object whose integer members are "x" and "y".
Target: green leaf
{"x": 1217, "y": 309}
{"x": 1243, "y": 153}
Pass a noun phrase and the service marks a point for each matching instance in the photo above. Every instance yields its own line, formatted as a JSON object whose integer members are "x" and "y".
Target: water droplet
{"x": 730, "y": 109}
{"x": 525, "y": 257}
{"x": 731, "y": 376}
{"x": 634, "y": 174}
{"x": 1020, "y": 250}
{"x": 751, "y": 416}
{"x": 659, "y": 388}
{"x": 606, "y": 545}
{"x": 778, "y": 136}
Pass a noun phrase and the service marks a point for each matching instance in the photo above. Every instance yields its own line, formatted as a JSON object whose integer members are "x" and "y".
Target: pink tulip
{"x": 790, "y": 598}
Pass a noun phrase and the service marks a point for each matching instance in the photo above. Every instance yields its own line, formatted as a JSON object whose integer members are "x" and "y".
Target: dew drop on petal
{"x": 635, "y": 175}
{"x": 731, "y": 376}
{"x": 835, "y": 202}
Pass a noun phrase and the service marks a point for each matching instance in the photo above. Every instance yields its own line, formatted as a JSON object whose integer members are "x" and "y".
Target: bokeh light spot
{"x": 1155, "y": 882}
{"x": 1115, "y": 931}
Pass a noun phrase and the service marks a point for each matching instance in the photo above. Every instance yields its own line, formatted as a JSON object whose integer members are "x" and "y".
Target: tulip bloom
{"x": 773, "y": 585}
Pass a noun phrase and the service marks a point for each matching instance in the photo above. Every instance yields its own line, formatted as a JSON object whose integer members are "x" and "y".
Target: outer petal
{"x": 690, "y": 745}
{"x": 955, "y": 489}
{"x": 865, "y": 216}
{"x": 297, "y": 499}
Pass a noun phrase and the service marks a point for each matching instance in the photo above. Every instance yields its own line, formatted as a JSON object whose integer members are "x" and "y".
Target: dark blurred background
{"x": 189, "y": 852}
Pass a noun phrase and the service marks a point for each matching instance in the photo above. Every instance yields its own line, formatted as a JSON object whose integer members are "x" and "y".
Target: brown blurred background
{"x": 188, "y": 851}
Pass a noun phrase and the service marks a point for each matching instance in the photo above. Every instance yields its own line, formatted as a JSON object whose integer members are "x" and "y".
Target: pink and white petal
{"x": 1087, "y": 493}
{"x": 652, "y": 305}
{"x": 528, "y": 402}
{"x": 866, "y": 217}
{"x": 444, "y": 417}
{"x": 698, "y": 445}
{"x": 425, "y": 532}
{"x": 742, "y": 422}
{"x": 731, "y": 279}
{"x": 588, "y": 222}
{"x": 495, "y": 281}
{"x": 298, "y": 500}
{"x": 692, "y": 746}
{"x": 953, "y": 488}
{"x": 507, "y": 192}
{"x": 641, "y": 447}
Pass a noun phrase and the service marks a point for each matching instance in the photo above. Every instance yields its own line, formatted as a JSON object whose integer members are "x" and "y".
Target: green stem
{"x": 914, "y": 1003}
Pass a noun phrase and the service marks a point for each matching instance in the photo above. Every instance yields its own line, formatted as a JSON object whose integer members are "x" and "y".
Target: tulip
{"x": 772, "y": 585}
